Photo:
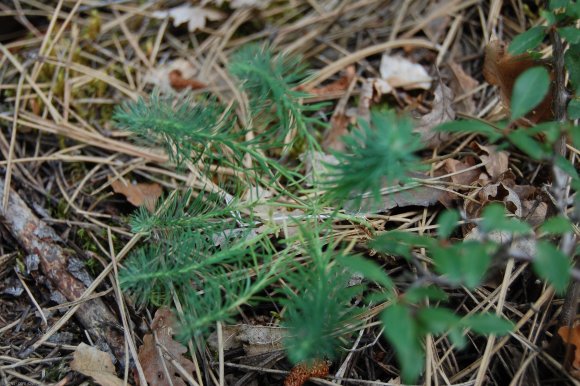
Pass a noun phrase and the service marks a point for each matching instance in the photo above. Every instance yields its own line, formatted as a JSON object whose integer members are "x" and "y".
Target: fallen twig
{"x": 37, "y": 238}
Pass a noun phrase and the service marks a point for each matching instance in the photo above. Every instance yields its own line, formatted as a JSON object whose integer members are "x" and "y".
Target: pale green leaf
{"x": 527, "y": 40}
{"x": 529, "y": 90}
{"x": 552, "y": 265}
{"x": 402, "y": 332}
{"x": 486, "y": 324}
{"x": 447, "y": 222}
{"x": 368, "y": 268}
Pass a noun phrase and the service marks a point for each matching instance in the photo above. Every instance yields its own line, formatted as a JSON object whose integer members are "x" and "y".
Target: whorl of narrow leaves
{"x": 271, "y": 84}
{"x": 318, "y": 302}
{"x": 378, "y": 154}
{"x": 185, "y": 127}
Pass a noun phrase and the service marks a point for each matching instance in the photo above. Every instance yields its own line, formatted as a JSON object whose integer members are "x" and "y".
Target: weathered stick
{"x": 37, "y": 238}
{"x": 561, "y": 181}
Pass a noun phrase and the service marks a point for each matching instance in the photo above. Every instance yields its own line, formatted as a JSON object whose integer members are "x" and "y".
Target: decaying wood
{"x": 37, "y": 238}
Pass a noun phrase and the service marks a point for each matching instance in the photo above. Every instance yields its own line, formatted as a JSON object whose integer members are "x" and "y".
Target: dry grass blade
{"x": 66, "y": 65}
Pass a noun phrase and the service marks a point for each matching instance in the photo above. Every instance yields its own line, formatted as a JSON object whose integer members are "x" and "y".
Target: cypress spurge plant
{"x": 207, "y": 249}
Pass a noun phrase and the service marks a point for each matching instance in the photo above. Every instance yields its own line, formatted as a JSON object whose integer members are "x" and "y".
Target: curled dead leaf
{"x": 400, "y": 72}
{"x": 462, "y": 84}
{"x": 337, "y": 86}
{"x": 442, "y": 111}
{"x": 175, "y": 75}
{"x": 178, "y": 82}
{"x": 572, "y": 336}
{"x": 140, "y": 193}
{"x": 534, "y": 211}
{"x": 459, "y": 171}
{"x": 502, "y": 69}
{"x": 417, "y": 193}
{"x": 496, "y": 161}
{"x": 460, "y": 174}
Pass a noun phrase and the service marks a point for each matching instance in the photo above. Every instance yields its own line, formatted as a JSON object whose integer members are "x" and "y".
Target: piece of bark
{"x": 39, "y": 239}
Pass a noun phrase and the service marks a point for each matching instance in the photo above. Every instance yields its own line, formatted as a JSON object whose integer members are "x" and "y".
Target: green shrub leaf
{"x": 527, "y": 40}
{"x": 494, "y": 219}
{"x": 566, "y": 166}
{"x": 556, "y": 225}
{"x": 419, "y": 294}
{"x": 447, "y": 223}
{"x": 574, "y": 109}
{"x": 552, "y": 265}
{"x": 402, "y": 332}
{"x": 401, "y": 243}
{"x": 486, "y": 324}
{"x": 471, "y": 126}
{"x": 571, "y": 34}
{"x": 572, "y": 60}
{"x": 464, "y": 263}
{"x": 527, "y": 144}
{"x": 457, "y": 338}
{"x": 369, "y": 269}
{"x": 529, "y": 90}
{"x": 437, "y": 320}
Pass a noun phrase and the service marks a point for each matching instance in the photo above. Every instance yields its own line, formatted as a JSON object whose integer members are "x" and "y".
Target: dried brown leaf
{"x": 502, "y": 69}
{"x": 452, "y": 166}
{"x": 442, "y": 112}
{"x": 421, "y": 195}
{"x": 140, "y": 193}
{"x": 175, "y": 75}
{"x": 155, "y": 359}
{"x": 96, "y": 364}
{"x": 367, "y": 96}
{"x": 497, "y": 162}
{"x": 572, "y": 336}
{"x": 254, "y": 339}
{"x": 339, "y": 85}
{"x": 534, "y": 212}
{"x": 338, "y": 128}
{"x": 500, "y": 192}
{"x": 178, "y": 82}
{"x": 461, "y": 84}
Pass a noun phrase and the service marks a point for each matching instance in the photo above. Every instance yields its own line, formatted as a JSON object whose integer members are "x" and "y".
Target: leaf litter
{"x": 159, "y": 350}
{"x": 403, "y": 82}
{"x": 96, "y": 364}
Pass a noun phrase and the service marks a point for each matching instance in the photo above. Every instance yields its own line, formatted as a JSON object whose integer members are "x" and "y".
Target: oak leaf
{"x": 140, "y": 193}
{"x": 155, "y": 354}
